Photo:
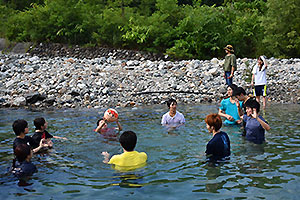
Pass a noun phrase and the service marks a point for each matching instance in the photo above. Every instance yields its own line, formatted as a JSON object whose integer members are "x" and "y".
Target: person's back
{"x": 218, "y": 147}
{"x": 126, "y": 159}
{"x": 130, "y": 157}
{"x": 26, "y": 140}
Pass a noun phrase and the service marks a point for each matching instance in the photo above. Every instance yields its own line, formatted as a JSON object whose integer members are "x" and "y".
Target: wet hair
{"x": 252, "y": 103}
{"x": 214, "y": 120}
{"x": 19, "y": 126}
{"x": 128, "y": 140}
{"x": 21, "y": 152}
{"x": 262, "y": 60}
{"x": 39, "y": 122}
{"x": 170, "y": 101}
{"x": 239, "y": 91}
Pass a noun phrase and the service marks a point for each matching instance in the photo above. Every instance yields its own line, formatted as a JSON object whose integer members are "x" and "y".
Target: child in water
{"x": 23, "y": 167}
{"x": 130, "y": 158}
{"x": 104, "y": 130}
{"x": 218, "y": 148}
{"x": 40, "y": 133}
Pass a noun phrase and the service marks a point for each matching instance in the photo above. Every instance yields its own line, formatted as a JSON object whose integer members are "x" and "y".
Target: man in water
{"x": 173, "y": 118}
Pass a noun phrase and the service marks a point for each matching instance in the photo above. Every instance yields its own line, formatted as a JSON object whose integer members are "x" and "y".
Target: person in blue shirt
{"x": 218, "y": 148}
{"x": 255, "y": 124}
{"x": 229, "y": 109}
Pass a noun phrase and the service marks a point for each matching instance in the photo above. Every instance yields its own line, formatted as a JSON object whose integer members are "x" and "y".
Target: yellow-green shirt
{"x": 230, "y": 61}
{"x": 128, "y": 159}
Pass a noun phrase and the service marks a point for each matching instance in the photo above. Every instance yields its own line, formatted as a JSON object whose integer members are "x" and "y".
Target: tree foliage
{"x": 180, "y": 28}
{"x": 282, "y": 28}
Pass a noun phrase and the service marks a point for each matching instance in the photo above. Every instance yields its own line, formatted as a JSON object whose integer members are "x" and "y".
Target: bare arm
{"x": 252, "y": 80}
{"x": 240, "y": 112}
{"x": 262, "y": 123}
{"x": 42, "y": 144}
{"x": 57, "y": 137}
{"x": 119, "y": 125}
{"x": 100, "y": 126}
{"x": 229, "y": 117}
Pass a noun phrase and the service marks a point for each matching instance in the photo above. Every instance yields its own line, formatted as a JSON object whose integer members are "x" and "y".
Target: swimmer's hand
{"x": 229, "y": 117}
{"x": 106, "y": 156}
{"x": 239, "y": 121}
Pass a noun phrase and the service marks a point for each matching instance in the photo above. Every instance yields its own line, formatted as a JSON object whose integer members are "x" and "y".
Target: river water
{"x": 73, "y": 169}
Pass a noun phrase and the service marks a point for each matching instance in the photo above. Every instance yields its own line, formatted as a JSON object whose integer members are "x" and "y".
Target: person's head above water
{"x": 22, "y": 151}
{"x": 213, "y": 121}
{"x": 252, "y": 103}
{"x": 171, "y": 102}
{"x": 20, "y": 126}
{"x": 230, "y": 89}
{"x": 40, "y": 123}
{"x": 128, "y": 140}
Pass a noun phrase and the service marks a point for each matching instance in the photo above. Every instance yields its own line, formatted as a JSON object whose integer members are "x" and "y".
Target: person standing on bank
{"x": 259, "y": 80}
{"x": 229, "y": 64}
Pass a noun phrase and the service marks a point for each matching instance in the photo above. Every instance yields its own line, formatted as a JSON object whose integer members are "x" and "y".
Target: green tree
{"x": 282, "y": 28}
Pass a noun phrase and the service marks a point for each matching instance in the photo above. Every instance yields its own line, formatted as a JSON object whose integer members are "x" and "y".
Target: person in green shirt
{"x": 229, "y": 64}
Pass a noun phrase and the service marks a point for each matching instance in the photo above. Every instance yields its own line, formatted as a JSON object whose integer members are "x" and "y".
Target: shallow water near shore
{"x": 73, "y": 169}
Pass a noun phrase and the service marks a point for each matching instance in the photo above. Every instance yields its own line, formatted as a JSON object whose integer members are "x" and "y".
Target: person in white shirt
{"x": 259, "y": 80}
{"x": 173, "y": 118}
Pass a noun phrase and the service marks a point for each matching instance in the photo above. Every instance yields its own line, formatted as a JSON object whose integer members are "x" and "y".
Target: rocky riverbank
{"x": 42, "y": 82}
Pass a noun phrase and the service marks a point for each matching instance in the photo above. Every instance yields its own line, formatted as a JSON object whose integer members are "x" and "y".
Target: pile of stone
{"x": 43, "y": 82}
{"x": 52, "y": 50}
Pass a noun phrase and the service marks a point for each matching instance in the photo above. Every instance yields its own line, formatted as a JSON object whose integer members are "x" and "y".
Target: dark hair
{"x": 239, "y": 91}
{"x": 233, "y": 87}
{"x": 260, "y": 58}
{"x": 39, "y": 122}
{"x": 252, "y": 103}
{"x": 214, "y": 120}
{"x": 19, "y": 126}
{"x": 170, "y": 101}
{"x": 22, "y": 151}
{"x": 128, "y": 140}
{"x": 98, "y": 121}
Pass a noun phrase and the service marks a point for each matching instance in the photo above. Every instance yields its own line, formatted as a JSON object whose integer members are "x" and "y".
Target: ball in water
{"x": 111, "y": 115}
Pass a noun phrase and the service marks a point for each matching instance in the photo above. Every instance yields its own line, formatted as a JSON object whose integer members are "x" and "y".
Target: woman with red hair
{"x": 218, "y": 148}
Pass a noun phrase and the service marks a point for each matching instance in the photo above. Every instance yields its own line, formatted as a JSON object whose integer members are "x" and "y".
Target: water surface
{"x": 175, "y": 167}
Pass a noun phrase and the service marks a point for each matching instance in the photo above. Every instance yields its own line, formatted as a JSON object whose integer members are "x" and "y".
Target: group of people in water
{"x": 237, "y": 109}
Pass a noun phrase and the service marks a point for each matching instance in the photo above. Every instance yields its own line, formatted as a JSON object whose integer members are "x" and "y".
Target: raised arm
{"x": 262, "y": 123}
{"x": 100, "y": 126}
{"x": 119, "y": 125}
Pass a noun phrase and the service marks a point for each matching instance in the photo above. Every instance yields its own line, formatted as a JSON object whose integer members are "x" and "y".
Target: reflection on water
{"x": 73, "y": 169}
